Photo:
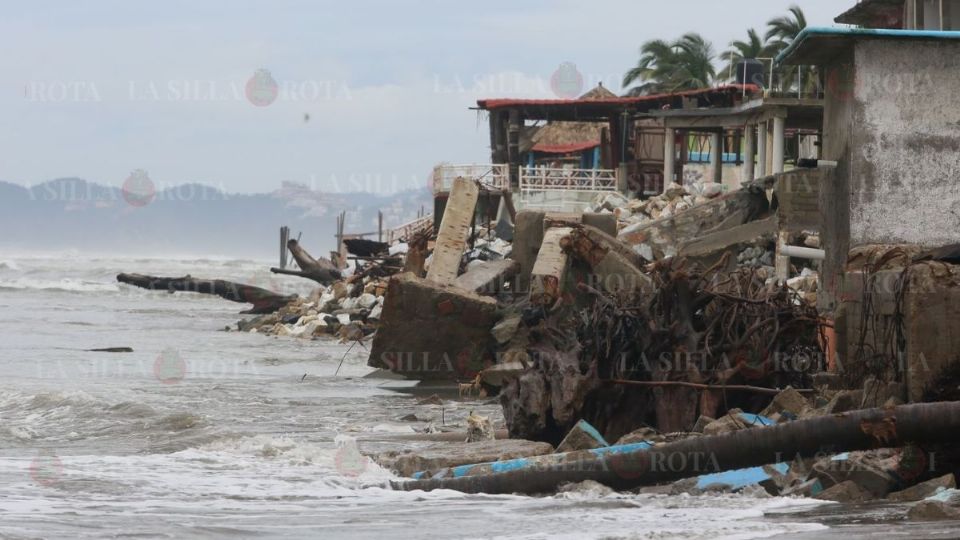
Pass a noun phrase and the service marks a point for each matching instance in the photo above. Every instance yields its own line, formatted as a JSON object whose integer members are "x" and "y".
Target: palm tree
{"x": 684, "y": 64}
{"x": 781, "y": 32}
{"x": 753, "y": 47}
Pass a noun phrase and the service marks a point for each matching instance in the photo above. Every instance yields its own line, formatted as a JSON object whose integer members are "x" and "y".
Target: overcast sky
{"x": 97, "y": 89}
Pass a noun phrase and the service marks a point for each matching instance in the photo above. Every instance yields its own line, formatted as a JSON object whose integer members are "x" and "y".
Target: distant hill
{"x": 193, "y": 219}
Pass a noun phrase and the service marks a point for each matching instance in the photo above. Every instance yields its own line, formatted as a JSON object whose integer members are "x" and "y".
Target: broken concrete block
{"x": 444, "y": 455}
{"x": 845, "y": 492}
{"x": 430, "y": 331}
{"x": 843, "y": 401}
{"x": 454, "y": 230}
{"x": 870, "y": 470}
{"x": 546, "y": 279}
{"x": 615, "y": 266}
{"x": 876, "y": 393}
{"x": 528, "y": 235}
{"x": 734, "y": 420}
{"x": 811, "y": 488}
{"x": 487, "y": 276}
{"x": 583, "y": 436}
{"x": 701, "y": 423}
{"x": 932, "y": 511}
{"x": 643, "y": 434}
{"x": 789, "y": 404}
{"x": 504, "y": 330}
{"x": 924, "y": 489}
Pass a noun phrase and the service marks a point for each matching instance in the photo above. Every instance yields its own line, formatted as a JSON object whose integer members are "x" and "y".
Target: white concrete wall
{"x": 905, "y": 144}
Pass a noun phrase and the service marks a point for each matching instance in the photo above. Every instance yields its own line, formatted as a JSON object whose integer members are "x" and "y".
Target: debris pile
{"x": 675, "y": 199}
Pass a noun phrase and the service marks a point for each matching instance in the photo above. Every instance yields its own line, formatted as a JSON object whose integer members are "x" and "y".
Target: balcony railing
{"x": 407, "y": 230}
{"x": 495, "y": 176}
{"x": 576, "y": 180}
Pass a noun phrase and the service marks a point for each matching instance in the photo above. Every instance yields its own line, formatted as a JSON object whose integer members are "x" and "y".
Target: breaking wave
{"x": 66, "y": 284}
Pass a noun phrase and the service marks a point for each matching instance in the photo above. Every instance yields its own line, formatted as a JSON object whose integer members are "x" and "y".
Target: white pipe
{"x": 803, "y": 252}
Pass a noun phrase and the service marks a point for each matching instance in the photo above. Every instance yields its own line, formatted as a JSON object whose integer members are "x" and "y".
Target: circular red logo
{"x": 46, "y": 468}
{"x": 567, "y": 82}
{"x": 841, "y": 82}
{"x": 262, "y": 89}
{"x": 138, "y": 190}
{"x": 349, "y": 461}
{"x": 169, "y": 367}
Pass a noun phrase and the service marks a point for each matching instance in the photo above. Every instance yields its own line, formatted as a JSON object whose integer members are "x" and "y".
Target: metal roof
{"x": 816, "y": 46}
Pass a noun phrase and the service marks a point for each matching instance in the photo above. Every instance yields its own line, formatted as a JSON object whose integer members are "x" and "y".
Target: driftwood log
{"x": 263, "y": 301}
{"x": 320, "y": 270}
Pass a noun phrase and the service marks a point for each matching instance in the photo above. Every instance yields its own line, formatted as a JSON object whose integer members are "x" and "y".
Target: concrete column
{"x": 779, "y": 128}
{"x": 669, "y": 157}
{"x": 769, "y": 134}
{"x": 749, "y": 136}
{"x": 716, "y": 157}
{"x": 762, "y": 149}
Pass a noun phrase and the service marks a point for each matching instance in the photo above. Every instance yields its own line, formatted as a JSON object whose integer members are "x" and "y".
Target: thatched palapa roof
{"x": 566, "y": 137}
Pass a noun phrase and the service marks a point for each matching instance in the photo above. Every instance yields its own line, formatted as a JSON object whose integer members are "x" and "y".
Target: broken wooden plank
{"x": 548, "y": 270}
{"x": 454, "y": 231}
{"x": 487, "y": 276}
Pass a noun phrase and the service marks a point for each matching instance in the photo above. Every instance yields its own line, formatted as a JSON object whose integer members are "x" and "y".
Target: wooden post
{"x": 284, "y": 236}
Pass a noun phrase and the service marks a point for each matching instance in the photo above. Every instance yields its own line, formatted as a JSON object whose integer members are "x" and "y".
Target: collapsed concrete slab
{"x": 431, "y": 331}
{"x": 615, "y": 267}
{"x": 454, "y": 231}
{"x": 531, "y": 226}
{"x": 546, "y": 278}
{"x": 487, "y": 277}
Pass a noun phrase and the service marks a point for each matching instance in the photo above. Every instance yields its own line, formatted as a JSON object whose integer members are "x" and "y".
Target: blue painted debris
{"x": 592, "y": 431}
{"x": 740, "y": 478}
{"x": 494, "y": 467}
{"x": 756, "y": 419}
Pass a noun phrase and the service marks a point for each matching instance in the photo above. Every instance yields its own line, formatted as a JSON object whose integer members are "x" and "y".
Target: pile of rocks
{"x": 347, "y": 309}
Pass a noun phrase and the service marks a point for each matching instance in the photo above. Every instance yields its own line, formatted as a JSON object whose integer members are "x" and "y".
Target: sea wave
{"x": 65, "y": 284}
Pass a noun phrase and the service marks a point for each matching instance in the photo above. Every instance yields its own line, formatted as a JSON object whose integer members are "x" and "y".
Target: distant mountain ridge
{"x": 72, "y": 213}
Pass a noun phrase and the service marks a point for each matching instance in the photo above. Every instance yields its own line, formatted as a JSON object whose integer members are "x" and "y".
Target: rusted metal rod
{"x": 746, "y": 388}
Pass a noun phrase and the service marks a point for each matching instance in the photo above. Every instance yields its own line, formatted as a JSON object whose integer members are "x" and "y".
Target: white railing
{"x": 407, "y": 230}
{"x": 495, "y": 176}
{"x": 579, "y": 180}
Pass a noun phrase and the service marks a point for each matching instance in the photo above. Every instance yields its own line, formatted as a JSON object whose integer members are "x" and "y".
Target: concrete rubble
{"x": 653, "y": 323}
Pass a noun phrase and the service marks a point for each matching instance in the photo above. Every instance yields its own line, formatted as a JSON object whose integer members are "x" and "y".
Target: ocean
{"x": 202, "y": 432}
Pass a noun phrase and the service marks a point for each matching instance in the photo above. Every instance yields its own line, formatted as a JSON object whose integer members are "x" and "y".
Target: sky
{"x": 360, "y": 95}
